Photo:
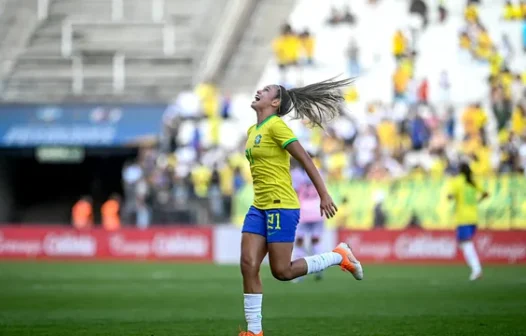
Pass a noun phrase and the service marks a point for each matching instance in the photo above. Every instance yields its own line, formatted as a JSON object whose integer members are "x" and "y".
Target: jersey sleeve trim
{"x": 288, "y": 142}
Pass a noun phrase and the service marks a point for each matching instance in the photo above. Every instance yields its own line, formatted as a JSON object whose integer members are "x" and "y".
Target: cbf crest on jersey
{"x": 257, "y": 140}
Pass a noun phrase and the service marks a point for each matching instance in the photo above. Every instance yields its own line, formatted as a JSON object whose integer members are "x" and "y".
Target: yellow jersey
{"x": 471, "y": 13}
{"x": 287, "y": 48}
{"x": 465, "y": 42}
{"x": 201, "y": 177}
{"x": 399, "y": 44}
{"x": 270, "y": 164}
{"x": 466, "y": 202}
{"x": 518, "y": 122}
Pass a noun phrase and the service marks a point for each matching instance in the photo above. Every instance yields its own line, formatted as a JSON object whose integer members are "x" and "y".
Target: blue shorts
{"x": 466, "y": 232}
{"x": 277, "y": 225}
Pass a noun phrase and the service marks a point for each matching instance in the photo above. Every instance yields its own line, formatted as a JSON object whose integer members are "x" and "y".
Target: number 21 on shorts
{"x": 273, "y": 221}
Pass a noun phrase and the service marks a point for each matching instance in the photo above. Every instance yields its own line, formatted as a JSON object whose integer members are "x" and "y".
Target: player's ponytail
{"x": 319, "y": 102}
{"x": 468, "y": 174}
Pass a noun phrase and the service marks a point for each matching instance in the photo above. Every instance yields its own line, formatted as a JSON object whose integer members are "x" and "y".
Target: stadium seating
{"x": 81, "y": 48}
{"x": 437, "y": 47}
{"x": 253, "y": 51}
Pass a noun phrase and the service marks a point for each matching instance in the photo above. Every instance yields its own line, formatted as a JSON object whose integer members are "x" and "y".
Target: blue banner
{"x": 25, "y": 125}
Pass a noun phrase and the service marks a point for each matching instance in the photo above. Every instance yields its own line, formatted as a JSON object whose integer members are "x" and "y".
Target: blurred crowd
{"x": 186, "y": 180}
{"x": 409, "y": 136}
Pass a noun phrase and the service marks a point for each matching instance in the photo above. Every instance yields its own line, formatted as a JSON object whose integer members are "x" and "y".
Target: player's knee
{"x": 249, "y": 266}
{"x": 282, "y": 273}
{"x": 299, "y": 242}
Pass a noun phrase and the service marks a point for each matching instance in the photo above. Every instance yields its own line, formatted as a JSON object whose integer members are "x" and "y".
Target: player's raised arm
{"x": 327, "y": 206}
{"x": 319, "y": 103}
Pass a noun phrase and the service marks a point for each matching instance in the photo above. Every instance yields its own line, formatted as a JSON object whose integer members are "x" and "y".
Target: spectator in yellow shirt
{"x": 209, "y": 97}
{"x": 226, "y": 180}
{"x": 399, "y": 45}
{"x": 495, "y": 62}
{"x": 400, "y": 82}
{"x": 471, "y": 13}
{"x": 484, "y": 44}
{"x": 518, "y": 121}
{"x": 464, "y": 41}
{"x": 287, "y": 49}
{"x": 506, "y": 81}
{"x": 214, "y": 126}
{"x": 201, "y": 177}
{"x": 407, "y": 64}
{"x": 474, "y": 120}
{"x": 388, "y": 135}
{"x": 308, "y": 44}
{"x": 512, "y": 11}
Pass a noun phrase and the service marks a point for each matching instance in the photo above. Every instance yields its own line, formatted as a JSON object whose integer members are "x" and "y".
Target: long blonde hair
{"x": 319, "y": 102}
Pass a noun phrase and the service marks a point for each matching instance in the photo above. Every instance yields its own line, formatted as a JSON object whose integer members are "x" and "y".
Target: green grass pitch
{"x": 146, "y": 299}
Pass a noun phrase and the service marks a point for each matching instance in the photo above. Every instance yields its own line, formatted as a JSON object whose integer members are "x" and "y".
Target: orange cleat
{"x": 349, "y": 262}
{"x": 250, "y": 333}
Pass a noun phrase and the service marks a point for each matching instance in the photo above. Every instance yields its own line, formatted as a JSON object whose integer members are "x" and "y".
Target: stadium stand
{"x": 383, "y": 124}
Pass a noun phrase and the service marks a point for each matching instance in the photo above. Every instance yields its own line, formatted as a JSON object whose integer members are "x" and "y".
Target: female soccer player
{"x": 463, "y": 190}
{"x": 270, "y": 224}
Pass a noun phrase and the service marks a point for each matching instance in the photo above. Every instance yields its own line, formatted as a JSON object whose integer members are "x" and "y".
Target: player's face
{"x": 268, "y": 96}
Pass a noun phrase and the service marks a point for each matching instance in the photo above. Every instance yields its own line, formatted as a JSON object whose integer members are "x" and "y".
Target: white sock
{"x": 319, "y": 262}
{"x": 253, "y": 315}
{"x": 471, "y": 256}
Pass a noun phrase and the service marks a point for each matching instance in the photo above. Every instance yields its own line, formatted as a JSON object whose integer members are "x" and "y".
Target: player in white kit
{"x": 311, "y": 224}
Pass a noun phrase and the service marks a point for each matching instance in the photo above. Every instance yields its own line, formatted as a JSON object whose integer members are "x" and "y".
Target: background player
{"x": 311, "y": 223}
{"x": 463, "y": 190}
{"x": 270, "y": 224}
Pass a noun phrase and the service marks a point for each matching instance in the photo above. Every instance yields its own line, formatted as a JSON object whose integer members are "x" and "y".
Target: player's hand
{"x": 327, "y": 206}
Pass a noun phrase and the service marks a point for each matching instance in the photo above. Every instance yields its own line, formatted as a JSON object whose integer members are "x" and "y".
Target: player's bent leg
{"x": 280, "y": 242}
{"x": 284, "y": 270}
{"x": 280, "y": 265}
